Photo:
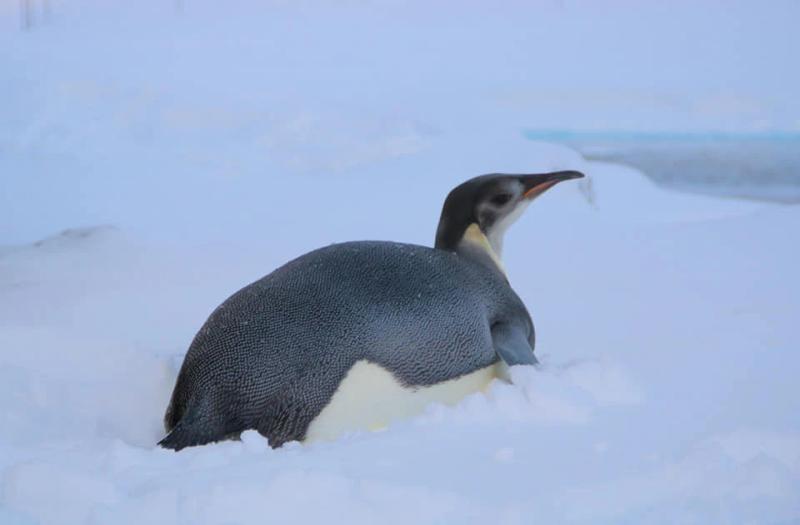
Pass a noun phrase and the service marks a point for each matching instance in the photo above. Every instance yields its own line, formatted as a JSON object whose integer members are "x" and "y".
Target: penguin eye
{"x": 500, "y": 199}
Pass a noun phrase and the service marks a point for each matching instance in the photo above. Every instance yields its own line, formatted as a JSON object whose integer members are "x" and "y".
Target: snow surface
{"x": 763, "y": 166}
{"x": 219, "y": 147}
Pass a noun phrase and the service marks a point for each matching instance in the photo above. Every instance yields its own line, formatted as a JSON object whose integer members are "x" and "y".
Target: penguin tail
{"x": 195, "y": 427}
{"x": 179, "y": 437}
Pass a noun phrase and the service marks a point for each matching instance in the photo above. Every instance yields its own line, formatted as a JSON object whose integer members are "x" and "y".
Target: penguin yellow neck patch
{"x": 476, "y": 240}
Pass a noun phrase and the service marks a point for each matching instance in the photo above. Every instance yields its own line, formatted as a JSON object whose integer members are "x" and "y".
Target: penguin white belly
{"x": 369, "y": 398}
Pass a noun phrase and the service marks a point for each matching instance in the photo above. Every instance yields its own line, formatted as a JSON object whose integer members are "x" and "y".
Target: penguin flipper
{"x": 512, "y": 345}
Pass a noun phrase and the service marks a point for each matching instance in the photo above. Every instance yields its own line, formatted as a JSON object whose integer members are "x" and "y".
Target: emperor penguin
{"x": 355, "y": 335}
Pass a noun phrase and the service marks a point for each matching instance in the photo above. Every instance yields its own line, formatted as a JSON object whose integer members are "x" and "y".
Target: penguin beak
{"x": 537, "y": 184}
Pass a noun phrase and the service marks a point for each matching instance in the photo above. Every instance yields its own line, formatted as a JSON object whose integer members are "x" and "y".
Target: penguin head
{"x": 477, "y": 213}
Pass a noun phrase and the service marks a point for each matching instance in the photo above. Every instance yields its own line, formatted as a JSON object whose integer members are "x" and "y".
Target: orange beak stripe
{"x": 541, "y": 188}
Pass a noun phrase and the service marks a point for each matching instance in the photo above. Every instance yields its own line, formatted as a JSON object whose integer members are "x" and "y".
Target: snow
{"x": 218, "y": 146}
{"x": 762, "y": 166}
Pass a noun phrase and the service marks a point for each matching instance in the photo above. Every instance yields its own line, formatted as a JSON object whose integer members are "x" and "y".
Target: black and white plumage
{"x": 352, "y": 335}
